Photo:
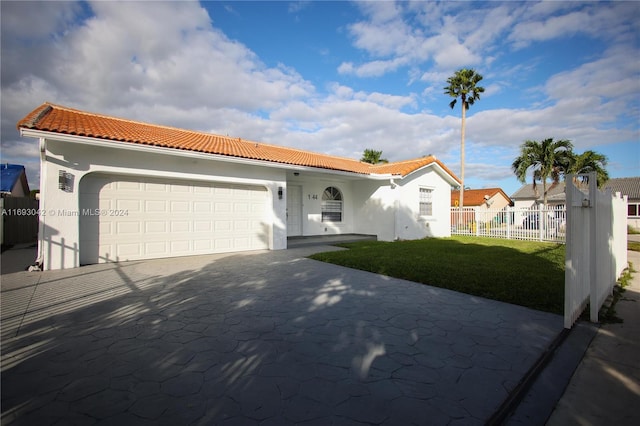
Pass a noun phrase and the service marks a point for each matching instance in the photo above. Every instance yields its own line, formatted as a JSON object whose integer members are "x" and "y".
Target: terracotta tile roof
{"x": 59, "y": 119}
{"x": 475, "y": 197}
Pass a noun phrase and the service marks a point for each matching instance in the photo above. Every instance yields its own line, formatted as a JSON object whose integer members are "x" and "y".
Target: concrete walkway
{"x": 605, "y": 388}
{"x": 263, "y": 338}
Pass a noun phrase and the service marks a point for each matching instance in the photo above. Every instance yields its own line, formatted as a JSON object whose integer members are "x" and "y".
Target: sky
{"x": 337, "y": 77}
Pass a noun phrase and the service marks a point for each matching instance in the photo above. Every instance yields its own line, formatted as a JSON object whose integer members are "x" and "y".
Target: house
{"x": 479, "y": 206}
{"x": 13, "y": 181}
{"x": 484, "y": 199}
{"x": 529, "y": 198}
{"x": 629, "y": 186}
{"x": 115, "y": 189}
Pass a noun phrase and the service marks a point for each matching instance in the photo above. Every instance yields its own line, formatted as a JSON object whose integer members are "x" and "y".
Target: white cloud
{"x": 168, "y": 64}
{"x": 544, "y": 21}
{"x": 130, "y": 57}
{"x": 371, "y": 69}
{"x": 613, "y": 75}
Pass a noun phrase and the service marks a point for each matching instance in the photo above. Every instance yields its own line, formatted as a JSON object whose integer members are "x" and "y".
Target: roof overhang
{"x": 105, "y": 143}
{"x": 439, "y": 169}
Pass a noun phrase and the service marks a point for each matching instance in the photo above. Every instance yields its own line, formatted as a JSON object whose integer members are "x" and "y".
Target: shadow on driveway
{"x": 256, "y": 338}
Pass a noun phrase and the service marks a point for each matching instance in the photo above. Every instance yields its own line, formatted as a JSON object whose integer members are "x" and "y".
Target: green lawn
{"x": 520, "y": 272}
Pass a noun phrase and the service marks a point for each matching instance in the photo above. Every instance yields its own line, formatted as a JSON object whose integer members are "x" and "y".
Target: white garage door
{"x": 129, "y": 218}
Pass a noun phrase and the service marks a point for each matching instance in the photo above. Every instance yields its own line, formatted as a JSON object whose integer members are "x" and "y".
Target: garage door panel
{"x": 158, "y": 248}
{"x": 129, "y": 185}
{"x": 202, "y": 245}
{"x": 202, "y": 207}
{"x": 200, "y": 226}
{"x": 125, "y": 251}
{"x": 179, "y": 189}
{"x": 155, "y": 227}
{"x": 223, "y": 244}
{"x": 179, "y": 206}
{"x": 166, "y": 218}
{"x": 180, "y": 247}
{"x": 155, "y": 187}
{"x": 222, "y": 208}
{"x": 132, "y": 206}
{"x": 128, "y": 227}
{"x": 204, "y": 189}
{"x": 155, "y": 206}
{"x": 180, "y": 226}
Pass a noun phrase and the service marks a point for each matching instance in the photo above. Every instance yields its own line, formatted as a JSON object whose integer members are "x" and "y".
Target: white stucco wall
{"x": 375, "y": 203}
{"x": 59, "y": 226}
{"x": 524, "y": 204}
{"x": 409, "y": 224}
{"x": 313, "y": 185}
{"x": 378, "y": 207}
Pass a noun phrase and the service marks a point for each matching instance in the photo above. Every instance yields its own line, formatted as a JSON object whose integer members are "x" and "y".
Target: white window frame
{"x": 637, "y": 206}
{"x": 332, "y": 205}
{"x": 425, "y": 199}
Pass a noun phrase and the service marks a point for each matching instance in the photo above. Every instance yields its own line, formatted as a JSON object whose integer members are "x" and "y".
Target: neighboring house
{"x": 479, "y": 206}
{"x": 629, "y": 186}
{"x": 529, "y": 198}
{"x": 13, "y": 181}
{"x": 18, "y": 224}
{"x": 483, "y": 199}
{"x": 124, "y": 190}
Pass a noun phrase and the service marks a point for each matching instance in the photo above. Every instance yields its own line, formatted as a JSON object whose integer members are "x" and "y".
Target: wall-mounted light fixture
{"x": 65, "y": 181}
{"x": 280, "y": 193}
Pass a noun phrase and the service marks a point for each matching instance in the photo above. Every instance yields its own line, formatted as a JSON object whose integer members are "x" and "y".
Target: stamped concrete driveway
{"x": 263, "y": 338}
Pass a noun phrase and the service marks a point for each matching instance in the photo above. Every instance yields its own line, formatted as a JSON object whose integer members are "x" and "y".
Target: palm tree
{"x": 547, "y": 159}
{"x": 590, "y": 161}
{"x": 464, "y": 85}
{"x": 372, "y": 156}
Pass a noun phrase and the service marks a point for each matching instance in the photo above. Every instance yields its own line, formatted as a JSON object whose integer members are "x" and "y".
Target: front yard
{"x": 520, "y": 272}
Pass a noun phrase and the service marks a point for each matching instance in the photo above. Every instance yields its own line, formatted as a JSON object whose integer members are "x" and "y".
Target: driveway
{"x": 261, "y": 338}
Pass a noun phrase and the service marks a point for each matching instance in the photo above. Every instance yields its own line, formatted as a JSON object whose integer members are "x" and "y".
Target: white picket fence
{"x": 543, "y": 224}
{"x": 596, "y": 248}
{"x": 593, "y": 226}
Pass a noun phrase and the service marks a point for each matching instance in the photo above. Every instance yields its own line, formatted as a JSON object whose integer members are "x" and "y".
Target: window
{"x": 426, "y": 202}
{"x": 332, "y": 205}
{"x": 633, "y": 210}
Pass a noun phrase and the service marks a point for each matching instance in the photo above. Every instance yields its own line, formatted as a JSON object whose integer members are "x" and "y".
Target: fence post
{"x": 509, "y": 222}
{"x": 569, "y": 282}
{"x": 593, "y": 241}
{"x": 541, "y": 222}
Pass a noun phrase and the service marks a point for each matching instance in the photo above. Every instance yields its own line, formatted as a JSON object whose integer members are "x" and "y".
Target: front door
{"x": 294, "y": 210}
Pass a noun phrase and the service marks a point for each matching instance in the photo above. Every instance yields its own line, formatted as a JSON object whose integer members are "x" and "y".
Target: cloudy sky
{"x": 337, "y": 77}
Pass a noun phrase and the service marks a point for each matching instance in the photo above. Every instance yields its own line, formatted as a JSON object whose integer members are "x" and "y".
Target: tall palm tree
{"x": 547, "y": 159}
{"x": 464, "y": 85}
{"x": 372, "y": 156}
{"x": 590, "y": 161}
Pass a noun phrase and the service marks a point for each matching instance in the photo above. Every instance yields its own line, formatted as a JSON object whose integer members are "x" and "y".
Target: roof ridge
{"x": 199, "y": 132}
{"x": 230, "y": 138}
{"x": 57, "y": 118}
{"x": 128, "y": 120}
{"x": 31, "y": 122}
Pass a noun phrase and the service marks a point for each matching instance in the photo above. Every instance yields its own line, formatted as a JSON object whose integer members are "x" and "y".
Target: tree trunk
{"x": 544, "y": 193}
{"x": 462, "y": 154}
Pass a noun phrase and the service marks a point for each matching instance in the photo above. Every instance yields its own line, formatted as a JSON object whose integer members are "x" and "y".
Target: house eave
{"x": 442, "y": 172}
{"x": 105, "y": 143}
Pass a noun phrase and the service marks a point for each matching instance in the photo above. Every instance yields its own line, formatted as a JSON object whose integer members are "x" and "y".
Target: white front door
{"x": 294, "y": 210}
